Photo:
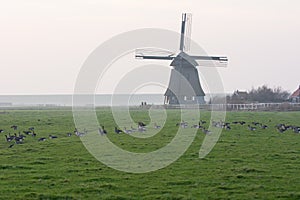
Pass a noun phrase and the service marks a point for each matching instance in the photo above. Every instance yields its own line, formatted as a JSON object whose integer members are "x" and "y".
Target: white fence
{"x": 241, "y": 107}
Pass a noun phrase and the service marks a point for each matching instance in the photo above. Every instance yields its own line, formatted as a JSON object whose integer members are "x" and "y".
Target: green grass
{"x": 243, "y": 165}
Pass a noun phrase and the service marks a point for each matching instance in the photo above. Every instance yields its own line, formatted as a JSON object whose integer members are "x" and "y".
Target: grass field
{"x": 244, "y": 164}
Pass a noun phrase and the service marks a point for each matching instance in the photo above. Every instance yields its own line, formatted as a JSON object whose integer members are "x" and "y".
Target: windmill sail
{"x": 148, "y": 53}
{"x": 186, "y": 25}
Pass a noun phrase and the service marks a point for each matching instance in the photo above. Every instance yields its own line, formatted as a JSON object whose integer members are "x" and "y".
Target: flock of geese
{"x": 19, "y": 138}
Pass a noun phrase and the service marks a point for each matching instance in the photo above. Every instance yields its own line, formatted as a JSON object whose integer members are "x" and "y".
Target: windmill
{"x": 184, "y": 69}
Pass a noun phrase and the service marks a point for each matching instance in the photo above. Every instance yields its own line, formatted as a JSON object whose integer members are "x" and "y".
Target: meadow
{"x": 244, "y": 164}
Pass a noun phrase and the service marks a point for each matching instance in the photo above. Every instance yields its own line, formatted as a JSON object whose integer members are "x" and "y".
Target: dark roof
{"x": 296, "y": 93}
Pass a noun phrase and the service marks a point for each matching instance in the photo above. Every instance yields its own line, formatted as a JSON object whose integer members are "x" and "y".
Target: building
{"x": 238, "y": 97}
{"x": 295, "y": 97}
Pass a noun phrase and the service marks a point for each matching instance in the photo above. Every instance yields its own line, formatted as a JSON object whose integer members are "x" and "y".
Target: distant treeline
{"x": 262, "y": 94}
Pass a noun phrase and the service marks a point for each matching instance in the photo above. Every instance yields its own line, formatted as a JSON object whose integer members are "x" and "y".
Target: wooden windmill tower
{"x": 184, "y": 69}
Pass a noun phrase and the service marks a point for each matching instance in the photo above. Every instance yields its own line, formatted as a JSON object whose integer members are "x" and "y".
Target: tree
{"x": 264, "y": 94}
{"x": 280, "y": 94}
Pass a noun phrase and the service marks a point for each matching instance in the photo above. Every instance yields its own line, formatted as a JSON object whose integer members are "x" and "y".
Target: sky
{"x": 43, "y": 44}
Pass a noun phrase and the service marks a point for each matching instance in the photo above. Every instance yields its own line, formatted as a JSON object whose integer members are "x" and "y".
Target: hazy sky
{"x": 44, "y": 43}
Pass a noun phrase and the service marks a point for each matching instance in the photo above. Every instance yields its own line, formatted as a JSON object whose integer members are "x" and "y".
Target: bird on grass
{"x": 9, "y": 138}
{"x": 202, "y": 122}
{"x": 205, "y": 131}
{"x": 33, "y": 134}
{"x": 156, "y": 126}
{"x": 127, "y": 131}
{"x": 182, "y": 124}
{"x": 27, "y": 132}
{"x": 264, "y": 126}
{"x": 15, "y": 127}
{"x": 141, "y": 124}
{"x": 52, "y": 137}
{"x": 42, "y": 139}
{"x": 141, "y": 128}
{"x": 251, "y": 128}
{"x": 10, "y": 146}
{"x": 118, "y": 131}
{"x": 102, "y": 131}
{"x": 227, "y": 127}
{"x": 296, "y": 129}
{"x": 77, "y": 133}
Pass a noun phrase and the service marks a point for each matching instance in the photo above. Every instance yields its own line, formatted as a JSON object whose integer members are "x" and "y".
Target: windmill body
{"x": 184, "y": 85}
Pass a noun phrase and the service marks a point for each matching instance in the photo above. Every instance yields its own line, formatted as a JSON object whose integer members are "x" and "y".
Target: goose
{"x": 31, "y": 128}
{"x": 141, "y": 124}
{"x": 251, "y": 128}
{"x": 118, "y": 130}
{"x": 141, "y": 128}
{"x": 206, "y": 131}
{"x": 27, "y": 132}
{"x": 10, "y": 146}
{"x": 14, "y": 127}
{"x": 281, "y": 126}
{"x": 104, "y": 131}
{"x": 264, "y": 126}
{"x": 296, "y": 129}
{"x": 217, "y": 124}
{"x": 156, "y": 126}
{"x": 201, "y": 127}
{"x": 255, "y": 123}
{"x": 127, "y": 131}
{"x": 281, "y": 130}
{"x": 183, "y": 124}
{"x": 242, "y": 122}
{"x": 69, "y": 134}
{"x": 52, "y": 136}
{"x": 33, "y": 134}
{"x": 9, "y": 138}
{"x": 19, "y": 141}
{"x": 42, "y": 139}
{"x": 195, "y": 126}
{"x": 227, "y": 127}
{"x": 289, "y": 127}
{"x": 77, "y": 133}
{"x": 1, "y": 130}
{"x": 21, "y": 136}
{"x": 202, "y": 122}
